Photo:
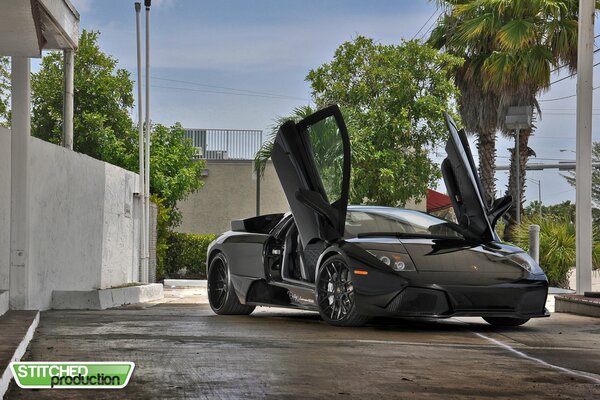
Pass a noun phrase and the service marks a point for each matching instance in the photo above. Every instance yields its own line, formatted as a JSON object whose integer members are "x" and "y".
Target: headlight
{"x": 526, "y": 262}
{"x": 397, "y": 261}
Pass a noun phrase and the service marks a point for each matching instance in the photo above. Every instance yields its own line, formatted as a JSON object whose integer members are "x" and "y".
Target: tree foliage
{"x": 4, "y": 91}
{"x": 174, "y": 173}
{"x": 392, "y": 97}
{"x": 509, "y": 49}
{"x": 264, "y": 153}
{"x": 595, "y": 175}
{"x": 557, "y": 246}
{"x": 102, "y": 127}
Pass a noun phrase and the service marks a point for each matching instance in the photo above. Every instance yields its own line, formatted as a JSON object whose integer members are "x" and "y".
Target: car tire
{"x": 335, "y": 294}
{"x": 505, "y": 321}
{"x": 221, "y": 294}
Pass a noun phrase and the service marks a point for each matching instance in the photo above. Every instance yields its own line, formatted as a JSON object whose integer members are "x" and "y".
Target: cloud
{"x": 82, "y": 5}
{"x": 163, "y": 3}
{"x": 306, "y": 43}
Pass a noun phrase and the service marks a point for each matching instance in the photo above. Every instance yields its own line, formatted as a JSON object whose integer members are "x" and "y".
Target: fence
{"x": 225, "y": 144}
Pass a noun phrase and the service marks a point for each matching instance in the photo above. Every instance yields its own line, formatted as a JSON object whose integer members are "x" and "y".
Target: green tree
{"x": 4, "y": 91}
{"x": 102, "y": 127}
{"x": 264, "y": 153}
{"x": 392, "y": 97}
{"x": 570, "y": 177}
{"x": 564, "y": 211}
{"x": 557, "y": 246}
{"x": 509, "y": 48}
{"x": 326, "y": 149}
{"x": 174, "y": 172}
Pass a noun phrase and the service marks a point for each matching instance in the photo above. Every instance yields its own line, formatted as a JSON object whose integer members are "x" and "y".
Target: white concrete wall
{"x": 81, "y": 223}
{"x": 4, "y": 208}
{"x": 118, "y": 248}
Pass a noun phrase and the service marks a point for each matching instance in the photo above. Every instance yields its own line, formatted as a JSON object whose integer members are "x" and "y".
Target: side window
{"x": 328, "y": 152}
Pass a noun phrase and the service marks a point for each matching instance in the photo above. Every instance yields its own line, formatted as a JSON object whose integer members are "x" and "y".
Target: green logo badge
{"x": 72, "y": 375}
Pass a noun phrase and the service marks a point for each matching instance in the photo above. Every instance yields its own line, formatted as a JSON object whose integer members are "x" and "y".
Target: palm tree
{"x": 326, "y": 147}
{"x": 510, "y": 48}
{"x": 478, "y": 107}
{"x": 264, "y": 153}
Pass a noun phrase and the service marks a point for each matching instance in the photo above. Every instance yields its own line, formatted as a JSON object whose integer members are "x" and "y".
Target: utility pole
{"x": 517, "y": 118}
{"x": 68, "y": 78}
{"x": 583, "y": 202}
{"x": 147, "y": 3}
{"x": 142, "y": 252}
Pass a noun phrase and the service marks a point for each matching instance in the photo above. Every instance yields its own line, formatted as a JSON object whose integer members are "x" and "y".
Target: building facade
{"x": 230, "y": 190}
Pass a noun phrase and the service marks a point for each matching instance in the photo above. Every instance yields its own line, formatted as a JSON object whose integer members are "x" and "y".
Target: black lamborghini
{"x": 350, "y": 263}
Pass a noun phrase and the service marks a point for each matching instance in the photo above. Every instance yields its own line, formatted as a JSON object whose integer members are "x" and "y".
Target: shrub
{"x": 162, "y": 235}
{"x": 186, "y": 255}
{"x": 557, "y": 247}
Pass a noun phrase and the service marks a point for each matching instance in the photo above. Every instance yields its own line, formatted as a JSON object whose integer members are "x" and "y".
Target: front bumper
{"x": 524, "y": 299}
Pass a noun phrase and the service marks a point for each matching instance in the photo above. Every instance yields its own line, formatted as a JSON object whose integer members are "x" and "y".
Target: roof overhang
{"x": 29, "y": 26}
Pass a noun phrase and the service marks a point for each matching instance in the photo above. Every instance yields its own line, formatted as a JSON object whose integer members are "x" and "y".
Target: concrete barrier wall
{"x": 4, "y": 208}
{"x": 229, "y": 193}
{"x": 119, "y": 248}
{"x": 81, "y": 223}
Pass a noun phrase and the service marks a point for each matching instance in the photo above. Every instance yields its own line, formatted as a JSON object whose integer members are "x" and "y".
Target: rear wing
{"x": 260, "y": 224}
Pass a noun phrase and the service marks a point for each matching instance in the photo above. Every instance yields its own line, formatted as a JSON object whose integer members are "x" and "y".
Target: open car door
{"x": 466, "y": 191}
{"x": 312, "y": 161}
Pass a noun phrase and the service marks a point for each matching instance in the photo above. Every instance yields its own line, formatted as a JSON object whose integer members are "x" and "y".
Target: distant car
{"x": 351, "y": 263}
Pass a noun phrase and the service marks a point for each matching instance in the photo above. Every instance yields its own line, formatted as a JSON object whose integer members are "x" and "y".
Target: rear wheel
{"x": 221, "y": 294}
{"x": 335, "y": 294}
{"x": 505, "y": 321}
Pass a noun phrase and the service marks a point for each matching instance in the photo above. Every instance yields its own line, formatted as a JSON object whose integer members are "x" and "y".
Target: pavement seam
{"x": 581, "y": 374}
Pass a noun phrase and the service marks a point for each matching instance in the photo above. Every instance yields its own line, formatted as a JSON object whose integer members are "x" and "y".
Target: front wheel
{"x": 505, "y": 321}
{"x": 221, "y": 294}
{"x": 335, "y": 294}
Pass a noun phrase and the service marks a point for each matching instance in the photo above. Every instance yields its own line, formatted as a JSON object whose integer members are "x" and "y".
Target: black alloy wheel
{"x": 221, "y": 294}
{"x": 335, "y": 294}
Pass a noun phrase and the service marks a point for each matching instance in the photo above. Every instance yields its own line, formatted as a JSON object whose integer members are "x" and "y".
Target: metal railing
{"x": 225, "y": 144}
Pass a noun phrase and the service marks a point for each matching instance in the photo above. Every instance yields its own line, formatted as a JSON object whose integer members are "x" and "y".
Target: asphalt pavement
{"x": 184, "y": 351}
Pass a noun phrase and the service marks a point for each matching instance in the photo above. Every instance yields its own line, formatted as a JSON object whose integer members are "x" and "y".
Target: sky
{"x": 240, "y": 64}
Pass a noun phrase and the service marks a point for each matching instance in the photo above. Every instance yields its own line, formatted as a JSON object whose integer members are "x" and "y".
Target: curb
{"x": 185, "y": 283}
{"x": 102, "y": 299}
{"x": 18, "y": 354}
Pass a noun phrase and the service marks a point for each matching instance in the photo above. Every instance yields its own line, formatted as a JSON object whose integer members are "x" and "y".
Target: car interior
{"x": 298, "y": 263}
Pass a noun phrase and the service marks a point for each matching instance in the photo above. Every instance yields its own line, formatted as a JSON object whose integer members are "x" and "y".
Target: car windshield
{"x": 400, "y": 222}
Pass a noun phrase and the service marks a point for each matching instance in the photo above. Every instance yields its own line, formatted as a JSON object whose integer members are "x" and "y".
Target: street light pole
{"x": 143, "y": 261}
{"x": 583, "y": 171}
{"x": 147, "y": 3}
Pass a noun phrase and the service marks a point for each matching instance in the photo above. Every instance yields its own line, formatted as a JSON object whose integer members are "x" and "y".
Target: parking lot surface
{"x": 182, "y": 350}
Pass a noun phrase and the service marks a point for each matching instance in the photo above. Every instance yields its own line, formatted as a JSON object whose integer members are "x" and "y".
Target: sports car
{"x": 351, "y": 263}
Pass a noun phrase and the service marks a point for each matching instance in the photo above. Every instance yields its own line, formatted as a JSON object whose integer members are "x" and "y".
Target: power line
{"x": 564, "y": 65}
{"x": 246, "y": 92}
{"x": 229, "y": 93}
{"x": 224, "y": 87}
{"x": 573, "y": 74}
{"x": 426, "y": 22}
{"x": 564, "y": 97}
{"x": 431, "y": 26}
